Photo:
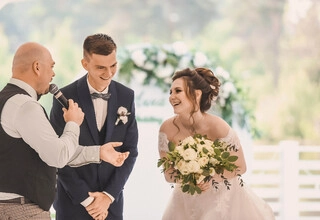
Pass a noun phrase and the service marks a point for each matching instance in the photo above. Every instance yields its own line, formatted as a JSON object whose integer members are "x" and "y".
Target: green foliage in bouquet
{"x": 197, "y": 159}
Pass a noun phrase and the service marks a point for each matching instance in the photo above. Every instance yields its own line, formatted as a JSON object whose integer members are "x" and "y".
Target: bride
{"x": 191, "y": 94}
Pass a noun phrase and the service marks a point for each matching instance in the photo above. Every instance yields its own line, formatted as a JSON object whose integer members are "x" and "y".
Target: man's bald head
{"x": 33, "y": 64}
{"x": 25, "y": 56}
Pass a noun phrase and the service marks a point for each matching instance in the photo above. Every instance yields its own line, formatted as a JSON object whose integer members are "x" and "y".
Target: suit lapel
{"x": 86, "y": 105}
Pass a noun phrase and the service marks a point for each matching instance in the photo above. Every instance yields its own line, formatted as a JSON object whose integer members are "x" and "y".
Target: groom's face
{"x": 101, "y": 69}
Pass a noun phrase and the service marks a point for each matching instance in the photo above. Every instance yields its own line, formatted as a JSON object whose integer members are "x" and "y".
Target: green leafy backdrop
{"x": 155, "y": 64}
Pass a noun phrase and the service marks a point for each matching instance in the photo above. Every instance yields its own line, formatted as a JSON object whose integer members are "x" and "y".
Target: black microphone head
{"x": 53, "y": 88}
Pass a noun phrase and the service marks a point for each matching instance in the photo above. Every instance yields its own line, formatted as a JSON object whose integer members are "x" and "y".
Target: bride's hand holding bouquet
{"x": 196, "y": 161}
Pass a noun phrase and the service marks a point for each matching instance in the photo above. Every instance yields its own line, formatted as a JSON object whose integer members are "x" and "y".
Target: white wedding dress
{"x": 238, "y": 203}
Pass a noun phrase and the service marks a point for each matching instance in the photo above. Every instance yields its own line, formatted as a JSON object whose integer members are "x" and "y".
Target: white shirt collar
{"x": 92, "y": 90}
{"x": 25, "y": 86}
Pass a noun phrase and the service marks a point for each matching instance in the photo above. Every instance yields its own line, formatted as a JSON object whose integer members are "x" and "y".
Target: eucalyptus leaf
{"x": 204, "y": 150}
{"x": 225, "y": 155}
{"x": 233, "y": 158}
{"x": 185, "y": 188}
{"x": 198, "y": 190}
{"x": 171, "y": 146}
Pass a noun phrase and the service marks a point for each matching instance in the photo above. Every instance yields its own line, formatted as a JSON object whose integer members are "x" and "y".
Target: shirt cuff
{"x": 85, "y": 155}
{"x": 92, "y": 154}
{"x": 87, "y": 201}
{"x": 90, "y": 199}
{"x": 110, "y": 196}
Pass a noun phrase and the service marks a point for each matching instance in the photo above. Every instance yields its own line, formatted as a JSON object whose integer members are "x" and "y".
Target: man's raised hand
{"x": 110, "y": 155}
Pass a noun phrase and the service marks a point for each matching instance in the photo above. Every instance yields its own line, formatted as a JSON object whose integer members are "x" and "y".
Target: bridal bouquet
{"x": 197, "y": 159}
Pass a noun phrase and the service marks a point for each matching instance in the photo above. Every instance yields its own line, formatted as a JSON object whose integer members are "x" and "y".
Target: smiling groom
{"x": 95, "y": 191}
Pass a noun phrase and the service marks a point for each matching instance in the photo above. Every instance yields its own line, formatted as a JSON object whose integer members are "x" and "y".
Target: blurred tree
{"x": 5, "y": 59}
{"x": 67, "y": 57}
{"x": 126, "y": 20}
{"x": 301, "y": 78}
{"x": 259, "y": 24}
{"x": 252, "y": 40}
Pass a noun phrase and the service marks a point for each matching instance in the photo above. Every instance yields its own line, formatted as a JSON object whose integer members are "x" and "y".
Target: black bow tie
{"x": 105, "y": 96}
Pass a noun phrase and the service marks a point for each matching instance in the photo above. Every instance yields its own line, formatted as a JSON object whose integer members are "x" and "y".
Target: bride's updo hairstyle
{"x": 200, "y": 79}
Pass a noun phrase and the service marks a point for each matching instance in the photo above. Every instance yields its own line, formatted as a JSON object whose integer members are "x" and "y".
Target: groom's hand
{"x": 98, "y": 209}
{"x": 110, "y": 155}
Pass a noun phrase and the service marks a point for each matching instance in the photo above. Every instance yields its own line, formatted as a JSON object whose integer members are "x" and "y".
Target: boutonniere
{"x": 122, "y": 115}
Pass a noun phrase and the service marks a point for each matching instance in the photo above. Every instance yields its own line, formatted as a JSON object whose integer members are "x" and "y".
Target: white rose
{"x": 179, "y": 48}
{"x": 124, "y": 119}
{"x": 222, "y": 101}
{"x": 193, "y": 167}
{"x": 227, "y": 89}
{"x": 149, "y": 65}
{"x": 161, "y": 56}
{"x": 122, "y": 110}
{"x": 203, "y": 161}
{"x": 189, "y": 154}
{"x": 208, "y": 146}
{"x": 200, "y": 147}
{"x": 213, "y": 161}
{"x": 182, "y": 167}
{"x": 212, "y": 172}
{"x": 200, "y": 59}
{"x": 184, "y": 61}
{"x": 179, "y": 149}
{"x": 189, "y": 140}
{"x": 207, "y": 142}
{"x": 222, "y": 73}
{"x": 139, "y": 75}
{"x": 139, "y": 58}
{"x": 122, "y": 115}
{"x": 165, "y": 71}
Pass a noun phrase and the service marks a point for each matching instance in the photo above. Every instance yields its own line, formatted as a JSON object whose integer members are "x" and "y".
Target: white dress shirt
{"x": 100, "y": 109}
{"x": 100, "y": 106}
{"x": 23, "y": 117}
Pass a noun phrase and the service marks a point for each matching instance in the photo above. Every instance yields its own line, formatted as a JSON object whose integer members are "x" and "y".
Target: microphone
{"x": 53, "y": 89}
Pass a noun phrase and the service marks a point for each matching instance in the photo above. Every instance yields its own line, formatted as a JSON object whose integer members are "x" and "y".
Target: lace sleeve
{"x": 163, "y": 142}
{"x": 232, "y": 139}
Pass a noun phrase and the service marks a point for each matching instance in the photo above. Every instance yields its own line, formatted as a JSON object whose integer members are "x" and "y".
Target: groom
{"x": 95, "y": 191}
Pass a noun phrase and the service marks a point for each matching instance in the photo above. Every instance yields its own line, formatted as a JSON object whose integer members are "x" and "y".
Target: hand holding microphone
{"x": 71, "y": 110}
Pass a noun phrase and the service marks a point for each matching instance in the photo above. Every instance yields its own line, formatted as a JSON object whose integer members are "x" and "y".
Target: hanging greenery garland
{"x": 154, "y": 65}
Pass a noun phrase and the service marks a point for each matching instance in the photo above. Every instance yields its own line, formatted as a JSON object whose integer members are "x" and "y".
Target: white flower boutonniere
{"x": 122, "y": 115}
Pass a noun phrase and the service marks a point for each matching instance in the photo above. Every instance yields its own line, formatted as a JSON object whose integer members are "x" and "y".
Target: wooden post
{"x": 289, "y": 187}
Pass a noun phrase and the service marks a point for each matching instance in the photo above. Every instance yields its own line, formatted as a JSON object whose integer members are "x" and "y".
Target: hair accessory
{"x": 212, "y": 87}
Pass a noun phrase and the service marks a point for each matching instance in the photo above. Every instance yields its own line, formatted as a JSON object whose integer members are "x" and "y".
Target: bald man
{"x": 30, "y": 150}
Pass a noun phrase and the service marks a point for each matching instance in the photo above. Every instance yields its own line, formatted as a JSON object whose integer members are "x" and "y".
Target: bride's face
{"x": 178, "y": 97}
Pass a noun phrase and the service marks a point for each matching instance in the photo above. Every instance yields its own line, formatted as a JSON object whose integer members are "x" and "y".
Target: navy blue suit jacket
{"x": 73, "y": 184}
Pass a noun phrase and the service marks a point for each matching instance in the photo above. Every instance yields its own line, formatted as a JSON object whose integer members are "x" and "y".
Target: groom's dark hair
{"x": 101, "y": 44}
